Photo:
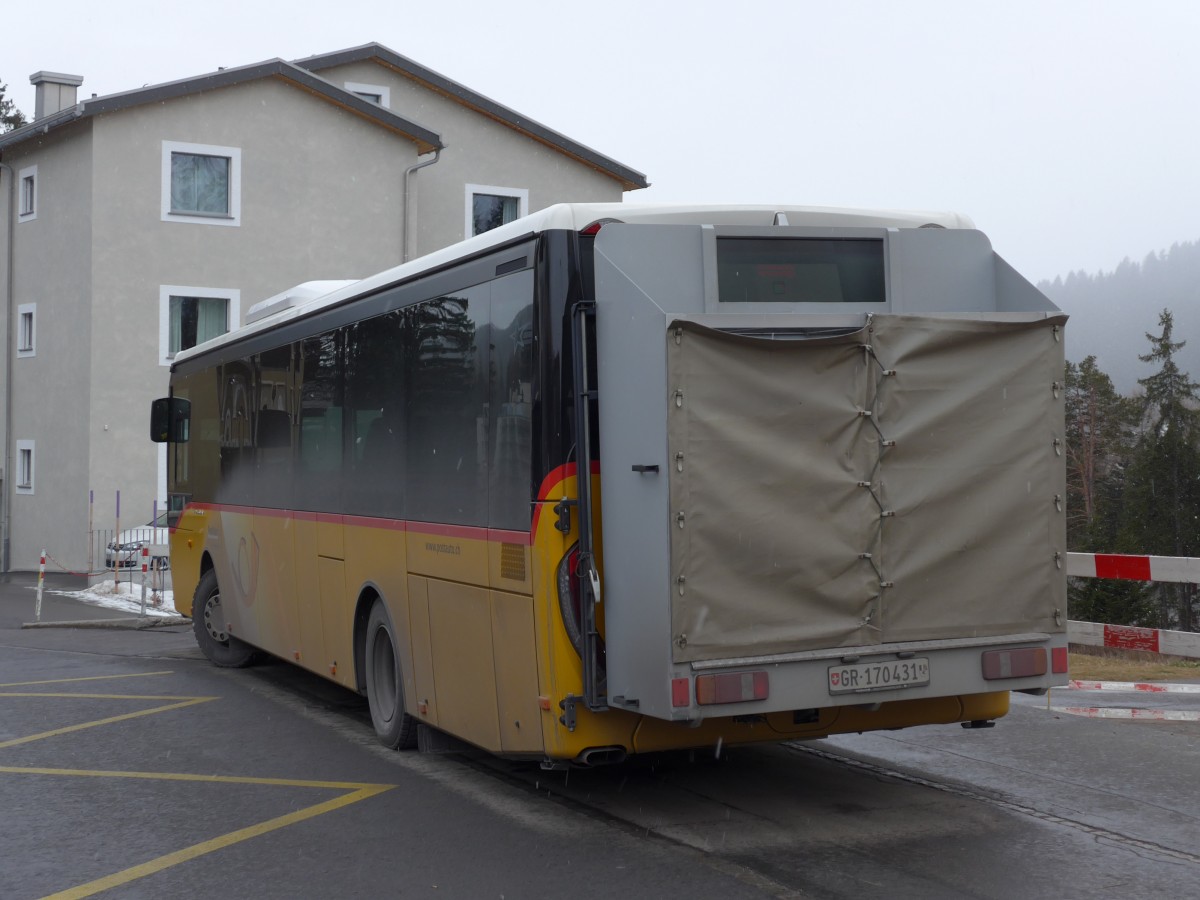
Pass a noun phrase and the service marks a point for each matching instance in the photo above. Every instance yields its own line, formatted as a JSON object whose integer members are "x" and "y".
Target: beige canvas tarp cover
{"x": 902, "y": 482}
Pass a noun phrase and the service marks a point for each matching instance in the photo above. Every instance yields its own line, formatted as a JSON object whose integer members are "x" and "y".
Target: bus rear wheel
{"x": 394, "y": 727}
{"x": 208, "y": 624}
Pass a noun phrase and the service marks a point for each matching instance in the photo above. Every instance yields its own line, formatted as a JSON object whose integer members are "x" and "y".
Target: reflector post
{"x": 1023, "y": 663}
{"x": 731, "y": 687}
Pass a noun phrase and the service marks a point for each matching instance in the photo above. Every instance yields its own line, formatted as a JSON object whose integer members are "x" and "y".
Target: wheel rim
{"x": 383, "y": 673}
{"x": 212, "y": 619}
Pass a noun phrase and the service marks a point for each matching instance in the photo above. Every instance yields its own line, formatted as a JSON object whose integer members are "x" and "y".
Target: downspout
{"x": 408, "y": 238}
{"x": 6, "y": 476}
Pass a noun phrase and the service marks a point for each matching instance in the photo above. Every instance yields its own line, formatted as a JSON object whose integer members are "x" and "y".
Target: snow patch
{"x": 122, "y": 595}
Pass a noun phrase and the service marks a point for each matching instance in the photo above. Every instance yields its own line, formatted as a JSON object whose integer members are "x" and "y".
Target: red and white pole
{"x": 145, "y": 573}
{"x": 37, "y": 613}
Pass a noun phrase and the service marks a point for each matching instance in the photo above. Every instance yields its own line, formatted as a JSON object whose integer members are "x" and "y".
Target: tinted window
{"x": 800, "y": 270}
{"x": 376, "y": 413}
{"x": 511, "y": 405}
{"x": 420, "y": 413}
{"x": 319, "y": 475}
{"x": 446, "y": 341}
{"x": 276, "y": 415}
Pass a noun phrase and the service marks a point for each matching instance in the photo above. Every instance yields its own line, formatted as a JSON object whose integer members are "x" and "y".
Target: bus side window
{"x": 446, "y": 341}
{"x": 375, "y": 402}
{"x": 511, "y": 402}
{"x": 318, "y": 484}
{"x": 273, "y": 427}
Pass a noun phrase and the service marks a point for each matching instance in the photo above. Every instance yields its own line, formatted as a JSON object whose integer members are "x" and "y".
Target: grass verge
{"x": 1106, "y": 667}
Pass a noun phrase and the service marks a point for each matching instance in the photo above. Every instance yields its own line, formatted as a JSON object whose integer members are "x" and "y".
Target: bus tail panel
{"x": 825, "y": 504}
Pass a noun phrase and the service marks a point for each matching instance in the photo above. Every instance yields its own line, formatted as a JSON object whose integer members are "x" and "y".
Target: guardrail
{"x": 1178, "y": 569}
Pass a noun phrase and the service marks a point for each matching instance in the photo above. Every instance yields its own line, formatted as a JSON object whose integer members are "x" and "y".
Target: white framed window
{"x": 26, "y": 330}
{"x": 188, "y": 316}
{"x": 27, "y": 182}
{"x": 374, "y": 93}
{"x": 201, "y": 183}
{"x": 489, "y": 207}
{"x": 25, "y": 467}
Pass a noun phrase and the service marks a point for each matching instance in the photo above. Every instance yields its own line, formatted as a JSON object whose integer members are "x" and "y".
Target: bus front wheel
{"x": 394, "y": 727}
{"x": 208, "y": 623}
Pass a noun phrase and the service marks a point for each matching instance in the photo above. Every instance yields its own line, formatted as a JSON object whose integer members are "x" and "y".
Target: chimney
{"x": 55, "y": 91}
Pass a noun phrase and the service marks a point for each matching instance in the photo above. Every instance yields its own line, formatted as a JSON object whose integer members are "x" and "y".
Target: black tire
{"x": 208, "y": 623}
{"x": 394, "y": 727}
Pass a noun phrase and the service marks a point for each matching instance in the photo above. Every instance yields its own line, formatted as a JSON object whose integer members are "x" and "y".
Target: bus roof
{"x": 301, "y": 301}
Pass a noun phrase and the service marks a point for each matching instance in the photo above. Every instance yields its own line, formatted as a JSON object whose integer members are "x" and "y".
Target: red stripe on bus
{"x": 465, "y": 532}
{"x": 1133, "y": 568}
{"x": 376, "y": 522}
{"x": 550, "y": 482}
{"x": 501, "y": 536}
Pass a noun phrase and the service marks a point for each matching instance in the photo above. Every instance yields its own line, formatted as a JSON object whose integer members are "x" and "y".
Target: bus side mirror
{"x": 170, "y": 420}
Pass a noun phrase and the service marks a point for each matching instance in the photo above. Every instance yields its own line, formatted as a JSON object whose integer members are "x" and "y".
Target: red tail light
{"x": 731, "y": 687}
{"x": 570, "y": 601}
{"x": 1023, "y": 663}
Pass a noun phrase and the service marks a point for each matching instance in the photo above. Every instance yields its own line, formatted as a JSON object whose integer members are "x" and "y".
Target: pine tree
{"x": 1100, "y": 435}
{"x": 1162, "y": 491}
{"x": 10, "y": 116}
{"x": 1101, "y": 431}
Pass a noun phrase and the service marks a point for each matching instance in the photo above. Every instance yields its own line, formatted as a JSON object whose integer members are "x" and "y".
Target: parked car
{"x": 126, "y": 550}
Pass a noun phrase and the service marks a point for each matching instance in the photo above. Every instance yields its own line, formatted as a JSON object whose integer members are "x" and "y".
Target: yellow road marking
{"x": 111, "y": 719}
{"x": 209, "y": 779}
{"x": 88, "y": 678}
{"x": 97, "y": 696}
{"x": 357, "y": 792}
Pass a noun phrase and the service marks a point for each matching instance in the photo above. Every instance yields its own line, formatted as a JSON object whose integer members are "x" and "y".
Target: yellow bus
{"x": 614, "y": 479}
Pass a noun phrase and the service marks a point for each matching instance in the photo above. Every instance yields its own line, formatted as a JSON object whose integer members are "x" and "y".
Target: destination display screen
{"x": 800, "y": 270}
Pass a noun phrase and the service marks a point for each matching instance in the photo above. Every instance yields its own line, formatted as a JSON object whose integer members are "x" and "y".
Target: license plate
{"x": 857, "y": 678}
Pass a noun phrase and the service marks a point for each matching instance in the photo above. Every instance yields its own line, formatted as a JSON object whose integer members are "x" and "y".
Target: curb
{"x": 1119, "y": 712}
{"x": 136, "y": 623}
{"x": 1143, "y": 686}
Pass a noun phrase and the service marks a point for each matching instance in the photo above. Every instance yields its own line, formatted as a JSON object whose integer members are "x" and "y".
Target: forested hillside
{"x": 1111, "y": 312}
{"x": 1133, "y": 429}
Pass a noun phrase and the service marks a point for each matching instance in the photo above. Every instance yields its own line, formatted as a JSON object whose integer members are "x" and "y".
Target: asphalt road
{"x": 132, "y": 768}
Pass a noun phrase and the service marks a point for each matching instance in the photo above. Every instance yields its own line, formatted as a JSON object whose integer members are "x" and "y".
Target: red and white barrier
{"x": 1131, "y": 637}
{"x": 1184, "y": 569}
{"x": 1178, "y": 569}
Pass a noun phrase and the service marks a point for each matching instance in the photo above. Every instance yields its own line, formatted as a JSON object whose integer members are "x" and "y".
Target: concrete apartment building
{"x": 138, "y": 224}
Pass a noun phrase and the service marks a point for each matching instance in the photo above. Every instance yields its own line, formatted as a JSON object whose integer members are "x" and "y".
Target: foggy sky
{"x": 1066, "y": 130}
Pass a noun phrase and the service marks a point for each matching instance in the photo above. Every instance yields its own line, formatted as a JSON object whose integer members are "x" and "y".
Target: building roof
{"x": 629, "y": 178}
{"x": 425, "y": 139}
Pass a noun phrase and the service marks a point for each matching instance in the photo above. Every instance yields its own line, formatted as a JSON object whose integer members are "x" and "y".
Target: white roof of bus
{"x": 576, "y": 217}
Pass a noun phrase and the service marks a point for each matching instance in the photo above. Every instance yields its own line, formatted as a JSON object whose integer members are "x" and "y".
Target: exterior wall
{"x": 51, "y": 389}
{"x": 478, "y": 151}
{"x": 321, "y": 197}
